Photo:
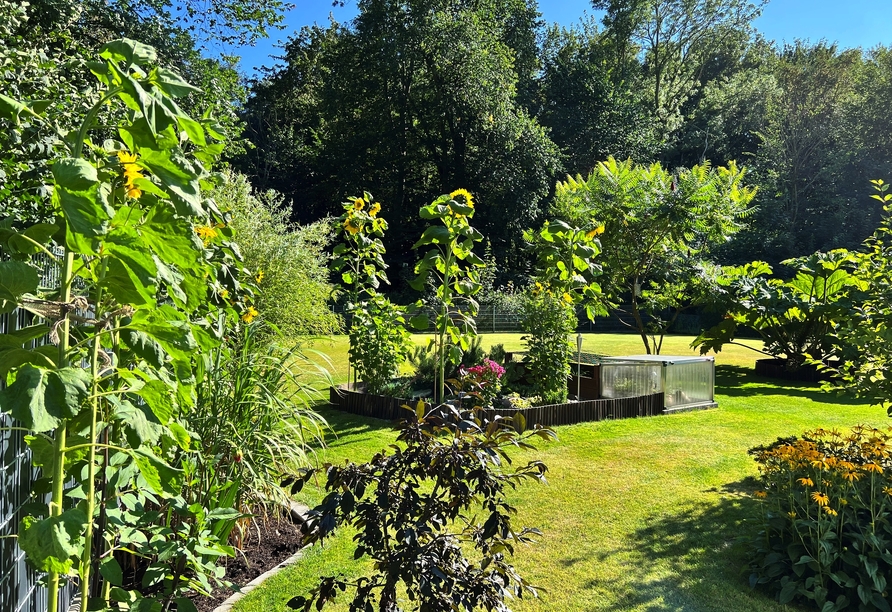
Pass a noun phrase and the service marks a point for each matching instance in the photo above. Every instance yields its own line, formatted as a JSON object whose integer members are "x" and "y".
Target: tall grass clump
{"x": 827, "y": 537}
{"x": 254, "y": 420}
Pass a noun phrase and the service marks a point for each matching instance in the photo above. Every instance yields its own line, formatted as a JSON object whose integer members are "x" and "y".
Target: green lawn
{"x": 639, "y": 514}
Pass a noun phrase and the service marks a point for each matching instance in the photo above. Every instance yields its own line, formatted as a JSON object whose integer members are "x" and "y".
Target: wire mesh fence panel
{"x": 20, "y": 587}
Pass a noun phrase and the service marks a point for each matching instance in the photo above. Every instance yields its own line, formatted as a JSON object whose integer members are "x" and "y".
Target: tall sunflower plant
{"x": 379, "y": 340}
{"x": 145, "y": 264}
{"x": 450, "y": 263}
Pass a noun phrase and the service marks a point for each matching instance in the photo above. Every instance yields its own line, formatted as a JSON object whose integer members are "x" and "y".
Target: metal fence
{"x": 20, "y": 587}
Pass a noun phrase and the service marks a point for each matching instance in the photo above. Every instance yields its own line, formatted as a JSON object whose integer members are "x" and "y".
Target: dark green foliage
{"x": 416, "y": 511}
{"x": 590, "y": 115}
{"x": 795, "y": 318}
{"x": 497, "y": 353}
{"x": 411, "y": 99}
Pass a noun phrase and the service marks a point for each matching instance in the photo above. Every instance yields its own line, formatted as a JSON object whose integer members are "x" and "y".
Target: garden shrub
{"x": 548, "y": 322}
{"x": 565, "y": 273}
{"x": 415, "y": 511}
{"x": 497, "y": 353}
{"x": 827, "y": 536}
{"x": 289, "y": 260}
{"x": 379, "y": 342}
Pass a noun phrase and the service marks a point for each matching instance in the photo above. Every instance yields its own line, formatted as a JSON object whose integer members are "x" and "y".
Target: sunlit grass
{"x": 639, "y": 514}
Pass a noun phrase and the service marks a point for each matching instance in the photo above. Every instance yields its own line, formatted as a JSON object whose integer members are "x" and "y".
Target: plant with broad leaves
{"x": 379, "y": 341}
{"x": 861, "y": 339}
{"x": 659, "y": 229}
{"x": 416, "y": 509}
{"x": 140, "y": 249}
{"x": 455, "y": 270}
{"x": 565, "y": 273}
{"x": 795, "y": 317}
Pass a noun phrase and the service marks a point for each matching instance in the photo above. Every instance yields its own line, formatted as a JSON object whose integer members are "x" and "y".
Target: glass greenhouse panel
{"x": 629, "y": 379}
{"x": 686, "y": 382}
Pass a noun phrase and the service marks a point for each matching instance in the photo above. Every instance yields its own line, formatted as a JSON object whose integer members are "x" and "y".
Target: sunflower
{"x": 358, "y": 204}
{"x": 595, "y": 232}
{"x": 206, "y": 233}
{"x": 250, "y": 314}
{"x": 259, "y": 276}
{"x": 465, "y": 195}
{"x": 131, "y": 173}
{"x": 351, "y": 226}
{"x": 374, "y": 210}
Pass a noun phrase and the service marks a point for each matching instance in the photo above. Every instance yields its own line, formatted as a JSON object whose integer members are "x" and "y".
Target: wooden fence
{"x": 346, "y": 399}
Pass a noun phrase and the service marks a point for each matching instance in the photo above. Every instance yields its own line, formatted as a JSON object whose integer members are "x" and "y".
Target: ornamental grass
{"x": 827, "y": 536}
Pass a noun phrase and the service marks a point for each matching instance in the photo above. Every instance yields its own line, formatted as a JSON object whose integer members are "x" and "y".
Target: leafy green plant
{"x": 415, "y": 513}
{"x": 497, "y": 353}
{"x": 795, "y": 317}
{"x": 451, "y": 262}
{"x": 826, "y": 535}
{"x": 565, "y": 273}
{"x": 253, "y": 420}
{"x": 379, "y": 340}
{"x": 861, "y": 338}
{"x": 290, "y": 261}
{"x": 659, "y": 229}
{"x": 131, "y": 304}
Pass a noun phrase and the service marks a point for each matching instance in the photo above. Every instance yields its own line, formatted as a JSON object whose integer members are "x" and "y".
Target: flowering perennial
{"x": 826, "y": 501}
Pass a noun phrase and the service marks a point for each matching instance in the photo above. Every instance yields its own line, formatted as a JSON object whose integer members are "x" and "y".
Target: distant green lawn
{"x": 640, "y": 514}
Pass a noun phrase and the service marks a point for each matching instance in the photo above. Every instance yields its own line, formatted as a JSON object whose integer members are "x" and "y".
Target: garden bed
{"x": 354, "y": 400}
{"x": 777, "y": 368}
{"x": 268, "y": 542}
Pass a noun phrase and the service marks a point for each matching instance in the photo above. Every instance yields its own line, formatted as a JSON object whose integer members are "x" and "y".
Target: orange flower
{"x": 820, "y": 498}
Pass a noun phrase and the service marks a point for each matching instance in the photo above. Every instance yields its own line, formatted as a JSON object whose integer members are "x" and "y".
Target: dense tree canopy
{"x": 410, "y": 100}
{"x": 416, "y": 98}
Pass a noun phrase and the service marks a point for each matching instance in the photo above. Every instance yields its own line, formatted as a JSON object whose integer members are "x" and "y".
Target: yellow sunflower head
{"x": 463, "y": 196}
{"x": 595, "y": 232}
{"x": 126, "y": 158}
{"x": 206, "y": 233}
{"x": 374, "y": 210}
{"x": 358, "y": 204}
{"x": 250, "y": 314}
{"x": 351, "y": 226}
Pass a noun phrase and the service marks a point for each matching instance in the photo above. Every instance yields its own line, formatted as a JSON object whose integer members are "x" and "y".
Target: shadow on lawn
{"x": 737, "y": 381}
{"x": 700, "y": 546}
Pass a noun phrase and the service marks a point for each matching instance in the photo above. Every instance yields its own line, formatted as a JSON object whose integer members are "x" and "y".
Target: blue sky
{"x": 854, "y": 23}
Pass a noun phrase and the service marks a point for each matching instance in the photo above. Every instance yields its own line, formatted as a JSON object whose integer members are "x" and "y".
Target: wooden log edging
{"x": 346, "y": 399}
